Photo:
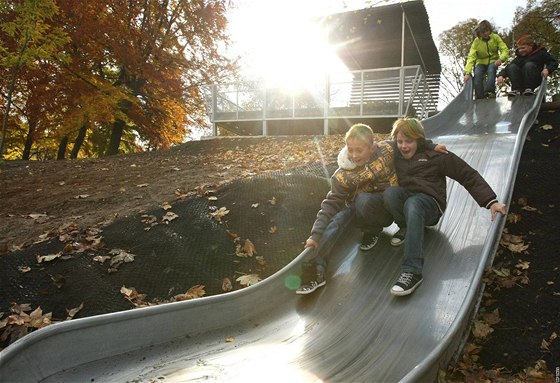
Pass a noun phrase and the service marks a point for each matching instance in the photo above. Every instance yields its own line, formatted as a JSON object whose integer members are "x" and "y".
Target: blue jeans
{"x": 371, "y": 214}
{"x": 367, "y": 212}
{"x": 479, "y": 72}
{"x": 338, "y": 225}
{"x": 528, "y": 76}
{"x": 412, "y": 211}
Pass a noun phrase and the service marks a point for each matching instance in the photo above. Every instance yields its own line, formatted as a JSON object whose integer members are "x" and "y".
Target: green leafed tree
{"x": 454, "y": 45}
{"x": 28, "y": 38}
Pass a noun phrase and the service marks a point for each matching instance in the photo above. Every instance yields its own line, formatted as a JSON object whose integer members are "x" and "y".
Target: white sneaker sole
{"x": 406, "y": 292}
{"x": 396, "y": 242}
{"x": 311, "y": 289}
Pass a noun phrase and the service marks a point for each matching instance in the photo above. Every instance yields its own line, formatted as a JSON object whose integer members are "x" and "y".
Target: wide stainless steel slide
{"x": 352, "y": 330}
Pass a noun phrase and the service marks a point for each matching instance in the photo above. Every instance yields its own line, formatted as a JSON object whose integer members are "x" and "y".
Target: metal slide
{"x": 351, "y": 330}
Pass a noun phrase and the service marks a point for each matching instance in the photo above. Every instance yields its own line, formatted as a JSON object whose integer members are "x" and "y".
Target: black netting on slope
{"x": 275, "y": 212}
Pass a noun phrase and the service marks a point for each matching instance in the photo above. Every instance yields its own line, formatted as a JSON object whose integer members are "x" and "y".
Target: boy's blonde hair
{"x": 360, "y": 132}
{"x": 410, "y": 127}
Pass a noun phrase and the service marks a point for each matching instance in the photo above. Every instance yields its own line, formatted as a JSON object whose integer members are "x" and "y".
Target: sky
{"x": 266, "y": 33}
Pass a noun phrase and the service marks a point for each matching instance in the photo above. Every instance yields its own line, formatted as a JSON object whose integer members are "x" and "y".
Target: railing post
{"x": 265, "y": 106}
{"x": 326, "y": 104}
{"x": 214, "y": 109}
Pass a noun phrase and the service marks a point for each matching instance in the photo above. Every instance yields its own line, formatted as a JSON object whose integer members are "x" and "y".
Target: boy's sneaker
{"x": 513, "y": 93}
{"x": 528, "y": 92}
{"x": 406, "y": 284}
{"x": 398, "y": 238}
{"x": 312, "y": 285}
{"x": 369, "y": 240}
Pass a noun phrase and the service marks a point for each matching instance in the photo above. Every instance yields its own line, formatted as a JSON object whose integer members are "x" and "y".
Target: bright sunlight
{"x": 280, "y": 43}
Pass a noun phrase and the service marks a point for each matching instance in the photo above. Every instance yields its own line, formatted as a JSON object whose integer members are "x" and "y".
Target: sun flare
{"x": 282, "y": 45}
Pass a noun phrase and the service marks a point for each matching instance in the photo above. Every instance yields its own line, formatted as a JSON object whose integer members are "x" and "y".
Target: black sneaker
{"x": 311, "y": 286}
{"x": 528, "y": 92}
{"x": 369, "y": 240}
{"x": 406, "y": 284}
{"x": 514, "y": 93}
{"x": 398, "y": 238}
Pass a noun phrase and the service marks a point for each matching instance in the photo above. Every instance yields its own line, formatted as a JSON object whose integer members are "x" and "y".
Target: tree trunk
{"x": 29, "y": 140}
{"x": 62, "y": 148}
{"x": 10, "y": 92}
{"x": 115, "y": 141}
{"x": 78, "y": 142}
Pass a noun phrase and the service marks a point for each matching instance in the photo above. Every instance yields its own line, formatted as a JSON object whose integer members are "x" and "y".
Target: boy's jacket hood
{"x": 343, "y": 161}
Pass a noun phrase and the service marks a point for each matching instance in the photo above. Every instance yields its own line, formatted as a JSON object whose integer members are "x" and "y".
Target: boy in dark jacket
{"x": 421, "y": 197}
{"x": 532, "y": 62}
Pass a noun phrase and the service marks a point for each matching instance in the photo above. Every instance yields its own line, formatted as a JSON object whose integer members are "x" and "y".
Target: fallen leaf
{"x": 142, "y": 185}
{"x": 255, "y": 205}
{"x": 517, "y": 248}
{"x": 503, "y": 272}
{"x": 169, "y": 216}
{"x": 227, "y": 285}
{"x": 514, "y": 218}
{"x": 37, "y": 215}
{"x": 249, "y": 279}
{"x": 273, "y": 230}
{"x": 529, "y": 208}
{"x": 48, "y": 258}
{"x": 546, "y": 127}
{"x": 481, "y": 329}
{"x": 523, "y": 265}
{"x": 101, "y": 258}
{"x": 219, "y": 214}
{"x": 166, "y": 206}
{"x": 119, "y": 257}
{"x": 493, "y": 317}
{"x": 24, "y": 269}
{"x": 247, "y": 250}
{"x": 192, "y": 293}
{"x": 74, "y": 311}
{"x": 81, "y": 196}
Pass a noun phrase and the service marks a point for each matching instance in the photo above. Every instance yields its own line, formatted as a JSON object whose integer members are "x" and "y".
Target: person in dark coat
{"x": 421, "y": 197}
{"x": 532, "y": 62}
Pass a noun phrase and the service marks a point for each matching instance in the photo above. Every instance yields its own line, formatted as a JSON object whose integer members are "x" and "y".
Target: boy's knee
{"x": 363, "y": 200}
{"x": 390, "y": 194}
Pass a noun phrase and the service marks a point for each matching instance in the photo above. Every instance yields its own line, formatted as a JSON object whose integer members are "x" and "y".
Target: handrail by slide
{"x": 351, "y": 330}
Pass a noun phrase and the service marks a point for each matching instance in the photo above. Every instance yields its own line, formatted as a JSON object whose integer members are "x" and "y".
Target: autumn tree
{"x": 141, "y": 64}
{"x": 28, "y": 39}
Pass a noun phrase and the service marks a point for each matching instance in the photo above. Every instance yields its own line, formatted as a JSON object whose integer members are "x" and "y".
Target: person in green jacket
{"x": 488, "y": 51}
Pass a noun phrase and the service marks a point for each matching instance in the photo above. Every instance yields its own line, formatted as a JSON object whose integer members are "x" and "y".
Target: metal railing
{"x": 389, "y": 92}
